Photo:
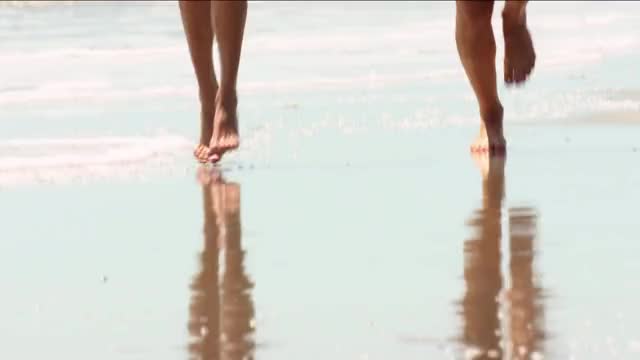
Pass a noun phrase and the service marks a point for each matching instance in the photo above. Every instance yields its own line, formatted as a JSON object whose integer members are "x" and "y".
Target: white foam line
{"x": 77, "y": 54}
{"x": 85, "y": 174}
{"x": 54, "y": 154}
{"x": 99, "y": 92}
{"x": 131, "y": 154}
{"x": 170, "y": 140}
{"x": 39, "y": 3}
{"x": 23, "y": 3}
{"x": 93, "y": 94}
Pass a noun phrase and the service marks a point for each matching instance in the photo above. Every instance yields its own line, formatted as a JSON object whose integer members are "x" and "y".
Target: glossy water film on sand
{"x": 352, "y": 223}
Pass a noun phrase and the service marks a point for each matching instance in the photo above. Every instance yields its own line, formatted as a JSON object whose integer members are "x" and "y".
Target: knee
{"x": 473, "y": 25}
{"x": 474, "y": 12}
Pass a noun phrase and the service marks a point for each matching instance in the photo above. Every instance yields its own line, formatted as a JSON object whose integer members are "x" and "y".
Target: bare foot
{"x": 492, "y": 171}
{"x": 489, "y": 166}
{"x": 201, "y": 152}
{"x": 225, "y": 127}
{"x": 519, "y": 55}
{"x": 490, "y": 140}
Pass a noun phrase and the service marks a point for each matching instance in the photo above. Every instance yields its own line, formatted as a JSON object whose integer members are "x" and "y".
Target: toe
{"x": 223, "y": 144}
{"x": 197, "y": 153}
{"x": 519, "y": 77}
{"x": 215, "y": 149}
{"x": 512, "y": 76}
{"x": 508, "y": 78}
{"x": 228, "y": 143}
{"x": 478, "y": 148}
{"x": 215, "y": 157}
{"x": 215, "y": 153}
{"x": 202, "y": 153}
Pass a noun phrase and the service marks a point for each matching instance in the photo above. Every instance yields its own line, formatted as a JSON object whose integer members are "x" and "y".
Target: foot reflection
{"x": 495, "y": 328}
{"x": 221, "y": 311}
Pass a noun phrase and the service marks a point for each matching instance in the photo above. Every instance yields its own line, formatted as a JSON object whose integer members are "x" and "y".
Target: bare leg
{"x": 477, "y": 50}
{"x": 519, "y": 55}
{"x": 229, "y": 18}
{"x": 197, "y": 27}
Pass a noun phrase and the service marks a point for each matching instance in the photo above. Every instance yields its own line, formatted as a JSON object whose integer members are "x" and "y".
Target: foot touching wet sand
{"x": 489, "y": 166}
{"x": 201, "y": 151}
{"x": 490, "y": 139}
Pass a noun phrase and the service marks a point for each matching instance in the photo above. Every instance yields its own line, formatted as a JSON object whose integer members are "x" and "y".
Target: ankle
{"x": 227, "y": 99}
{"x": 492, "y": 115}
{"x": 207, "y": 103}
{"x": 207, "y": 90}
{"x": 207, "y": 108}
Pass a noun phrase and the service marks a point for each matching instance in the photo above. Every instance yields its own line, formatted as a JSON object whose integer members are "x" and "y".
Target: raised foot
{"x": 519, "y": 54}
{"x": 225, "y": 128}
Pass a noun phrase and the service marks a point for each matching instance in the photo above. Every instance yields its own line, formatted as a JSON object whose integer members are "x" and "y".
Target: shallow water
{"x": 352, "y": 224}
{"x": 377, "y": 261}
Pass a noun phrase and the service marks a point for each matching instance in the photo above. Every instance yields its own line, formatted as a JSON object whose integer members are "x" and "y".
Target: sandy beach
{"x": 353, "y": 223}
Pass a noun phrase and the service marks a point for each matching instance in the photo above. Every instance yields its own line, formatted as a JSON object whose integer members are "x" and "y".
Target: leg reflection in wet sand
{"x": 487, "y": 334}
{"x": 221, "y": 311}
{"x": 525, "y": 297}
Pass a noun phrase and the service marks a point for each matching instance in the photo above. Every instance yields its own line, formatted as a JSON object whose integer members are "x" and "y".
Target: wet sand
{"x": 443, "y": 257}
{"x": 353, "y": 222}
